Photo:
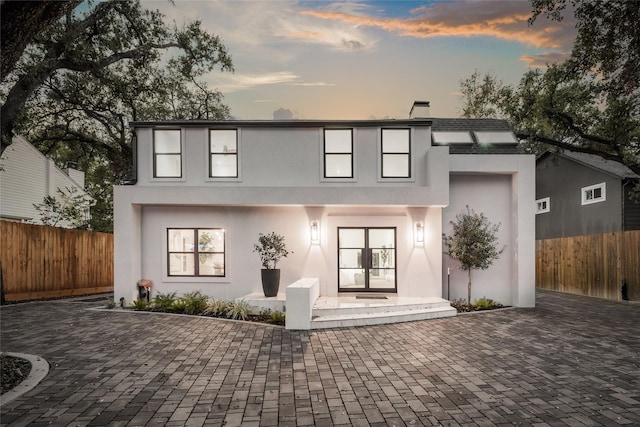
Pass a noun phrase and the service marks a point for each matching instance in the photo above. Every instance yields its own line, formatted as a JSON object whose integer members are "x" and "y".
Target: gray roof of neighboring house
{"x": 609, "y": 166}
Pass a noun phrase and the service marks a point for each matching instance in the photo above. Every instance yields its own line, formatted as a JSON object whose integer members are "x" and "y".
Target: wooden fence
{"x": 41, "y": 262}
{"x": 594, "y": 265}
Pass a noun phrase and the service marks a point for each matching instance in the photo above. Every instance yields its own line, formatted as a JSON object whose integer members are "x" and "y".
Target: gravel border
{"x": 39, "y": 370}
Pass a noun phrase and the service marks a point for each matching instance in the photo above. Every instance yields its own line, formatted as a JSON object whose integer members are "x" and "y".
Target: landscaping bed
{"x": 14, "y": 371}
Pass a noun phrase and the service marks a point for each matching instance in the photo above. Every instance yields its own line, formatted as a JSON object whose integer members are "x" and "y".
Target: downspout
{"x": 131, "y": 177}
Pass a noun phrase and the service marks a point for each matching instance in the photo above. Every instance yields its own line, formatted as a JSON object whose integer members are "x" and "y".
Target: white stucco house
{"x": 362, "y": 205}
{"x": 27, "y": 176}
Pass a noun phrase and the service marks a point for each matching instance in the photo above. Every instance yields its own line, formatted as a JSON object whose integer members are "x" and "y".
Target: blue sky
{"x": 366, "y": 59}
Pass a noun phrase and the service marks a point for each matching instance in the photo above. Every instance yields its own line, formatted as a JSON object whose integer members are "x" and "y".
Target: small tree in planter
{"x": 473, "y": 242}
{"x": 271, "y": 248}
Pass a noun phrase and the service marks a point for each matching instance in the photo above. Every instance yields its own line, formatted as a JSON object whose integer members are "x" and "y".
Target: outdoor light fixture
{"x": 315, "y": 232}
{"x": 419, "y": 233}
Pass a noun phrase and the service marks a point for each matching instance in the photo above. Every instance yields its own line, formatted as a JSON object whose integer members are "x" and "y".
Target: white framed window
{"x": 167, "y": 153}
{"x": 196, "y": 252}
{"x": 594, "y": 193}
{"x": 223, "y": 153}
{"x": 338, "y": 153}
{"x": 543, "y": 205}
{"x": 396, "y": 153}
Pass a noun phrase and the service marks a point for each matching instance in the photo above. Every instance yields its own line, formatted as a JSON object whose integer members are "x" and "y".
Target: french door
{"x": 367, "y": 259}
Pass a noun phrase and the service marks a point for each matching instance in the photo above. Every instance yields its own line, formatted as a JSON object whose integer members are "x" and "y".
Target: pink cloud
{"x": 500, "y": 19}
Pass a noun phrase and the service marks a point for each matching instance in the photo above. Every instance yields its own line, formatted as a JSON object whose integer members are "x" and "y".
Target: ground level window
{"x": 543, "y": 205}
{"x": 196, "y": 251}
{"x": 594, "y": 193}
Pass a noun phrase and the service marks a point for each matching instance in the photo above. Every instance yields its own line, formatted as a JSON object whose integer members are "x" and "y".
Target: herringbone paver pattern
{"x": 572, "y": 361}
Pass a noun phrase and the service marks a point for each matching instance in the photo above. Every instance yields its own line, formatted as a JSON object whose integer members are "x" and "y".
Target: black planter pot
{"x": 270, "y": 281}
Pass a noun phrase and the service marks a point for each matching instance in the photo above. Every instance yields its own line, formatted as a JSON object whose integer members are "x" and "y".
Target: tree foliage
{"x": 473, "y": 242}
{"x": 65, "y": 209}
{"x": 589, "y": 103}
{"x": 21, "y": 21}
{"x": 85, "y": 77}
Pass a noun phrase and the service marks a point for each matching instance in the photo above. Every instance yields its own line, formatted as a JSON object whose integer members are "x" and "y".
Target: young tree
{"x": 473, "y": 242}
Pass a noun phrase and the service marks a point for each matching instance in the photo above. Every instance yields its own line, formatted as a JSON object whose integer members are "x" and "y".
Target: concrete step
{"x": 357, "y": 308}
{"x": 395, "y": 314}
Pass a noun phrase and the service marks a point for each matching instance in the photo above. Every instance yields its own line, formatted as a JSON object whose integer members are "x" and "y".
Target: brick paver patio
{"x": 572, "y": 361}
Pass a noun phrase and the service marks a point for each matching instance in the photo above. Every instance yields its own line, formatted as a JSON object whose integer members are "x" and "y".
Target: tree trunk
{"x": 469, "y": 288}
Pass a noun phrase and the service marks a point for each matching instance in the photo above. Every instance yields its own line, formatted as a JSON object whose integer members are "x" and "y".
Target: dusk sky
{"x": 367, "y": 59}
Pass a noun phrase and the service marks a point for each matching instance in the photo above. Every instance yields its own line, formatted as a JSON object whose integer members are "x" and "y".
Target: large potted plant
{"x": 271, "y": 248}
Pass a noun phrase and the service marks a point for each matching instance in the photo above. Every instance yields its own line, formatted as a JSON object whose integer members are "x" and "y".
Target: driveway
{"x": 571, "y": 361}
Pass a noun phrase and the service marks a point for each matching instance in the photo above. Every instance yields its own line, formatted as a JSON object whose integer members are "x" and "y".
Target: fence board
{"x": 594, "y": 265}
{"x": 44, "y": 262}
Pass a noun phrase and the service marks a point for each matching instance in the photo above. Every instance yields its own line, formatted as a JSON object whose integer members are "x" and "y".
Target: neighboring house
{"x": 362, "y": 204}
{"x": 580, "y": 194}
{"x": 27, "y": 177}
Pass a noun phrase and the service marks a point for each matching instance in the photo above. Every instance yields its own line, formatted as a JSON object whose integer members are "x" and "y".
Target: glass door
{"x": 366, "y": 259}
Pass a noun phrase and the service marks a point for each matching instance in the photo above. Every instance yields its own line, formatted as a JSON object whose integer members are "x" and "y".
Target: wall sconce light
{"x": 419, "y": 233}
{"x": 315, "y": 232}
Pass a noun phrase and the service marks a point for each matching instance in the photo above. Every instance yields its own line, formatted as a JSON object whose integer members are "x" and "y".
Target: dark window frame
{"x": 327, "y": 154}
{"x": 407, "y": 154}
{"x": 196, "y": 253}
{"x": 156, "y": 154}
{"x": 222, "y": 153}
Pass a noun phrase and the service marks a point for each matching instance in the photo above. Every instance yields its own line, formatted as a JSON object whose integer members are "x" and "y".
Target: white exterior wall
{"x": 144, "y": 254}
{"x": 26, "y": 178}
{"x": 503, "y": 189}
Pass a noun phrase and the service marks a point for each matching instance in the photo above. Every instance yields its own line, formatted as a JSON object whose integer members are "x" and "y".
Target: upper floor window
{"x": 543, "y": 205}
{"x": 396, "y": 153}
{"x": 167, "y": 153}
{"x": 594, "y": 193}
{"x": 223, "y": 152}
{"x": 338, "y": 153}
{"x": 196, "y": 251}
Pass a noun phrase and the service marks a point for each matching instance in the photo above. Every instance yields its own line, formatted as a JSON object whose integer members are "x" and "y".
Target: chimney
{"x": 420, "y": 110}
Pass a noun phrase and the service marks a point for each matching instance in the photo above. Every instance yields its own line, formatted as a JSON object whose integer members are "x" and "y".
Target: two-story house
{"x": 362, "y": 204}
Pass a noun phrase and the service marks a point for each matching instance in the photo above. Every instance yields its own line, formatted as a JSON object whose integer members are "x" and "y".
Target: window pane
{"x": 211, "y": 240}
{"x": 352, "y": 278}
{"x": 383, "y": 258}
{"x": 166, "y": 141}
{"x": 224, "y": 165}
{"x": 395, "y": 166}
{"x": 223, "y": 141}
{"x": 337, "y": 141}
{"x": 181, "y": 264}
{"x": 350, "y": 258}
{"x": 395, "y": 140}
{"x": 351, "y": 238}
{"x": 338, "y": 165}
{"x": 381, "y": 237}
{"x": 181, "y": 241}
{"x": 382, "y": 279}
{"x": 211, "y": 265}
{"x": 168, "y": 165}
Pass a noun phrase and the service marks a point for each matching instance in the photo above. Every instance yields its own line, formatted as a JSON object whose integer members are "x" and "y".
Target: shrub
{"x": 486, "y": 304}
{"x": 110, "y": 304}
{"x": 216, "y": 308}
{"x": 194, "y": 303}
{"x": 140, "y": 304}
{"x": 238, "y": 310}
{"x": 276, "y": 318}
{"x": 164, "y": 302}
